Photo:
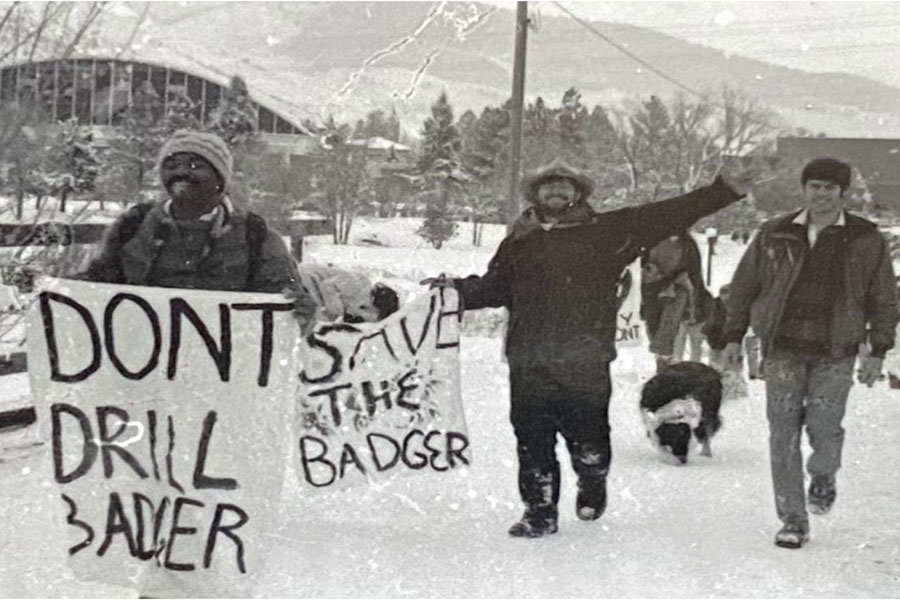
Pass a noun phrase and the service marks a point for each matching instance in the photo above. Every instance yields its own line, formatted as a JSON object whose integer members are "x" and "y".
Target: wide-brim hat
{"x": 557, "y": 170}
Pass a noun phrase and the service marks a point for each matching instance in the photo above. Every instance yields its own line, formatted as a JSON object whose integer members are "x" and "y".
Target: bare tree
{"x": 674, "y": 146}
{"x": 33, "y": 30}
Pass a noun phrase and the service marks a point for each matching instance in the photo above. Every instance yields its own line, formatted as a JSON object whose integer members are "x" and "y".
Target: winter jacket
{"x": 559, "y": 281}
{"x": 864, "y": 311}
{"x": 670, "y": 306}
{"x": 152, "y": 248}
{"x": 338, "y": 292}
{"x": 679, "y": 253}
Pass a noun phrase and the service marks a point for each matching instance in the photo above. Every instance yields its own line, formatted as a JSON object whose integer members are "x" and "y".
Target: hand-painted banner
{"x": 383, "y": 399}
{"x": 166, "y": 410}
{"x": 630, "y": 330}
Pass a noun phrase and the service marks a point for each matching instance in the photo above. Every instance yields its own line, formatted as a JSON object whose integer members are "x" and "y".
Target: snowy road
{"x": 704, "y": 530}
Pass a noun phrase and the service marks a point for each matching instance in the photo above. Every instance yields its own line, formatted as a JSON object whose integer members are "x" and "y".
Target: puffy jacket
{"x": 559, "y": 283}
{"x": 149, "y": 247}
{"x": 865, "y": 311}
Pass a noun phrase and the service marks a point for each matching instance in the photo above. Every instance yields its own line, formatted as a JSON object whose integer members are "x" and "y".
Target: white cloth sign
{"x": 630, "y": 330}
{"x": 168, "y": 412}
{"x": 383, "y": 399}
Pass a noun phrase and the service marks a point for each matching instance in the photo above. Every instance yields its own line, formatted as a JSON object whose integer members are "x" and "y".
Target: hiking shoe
{"x": 822, "y": 493}
{"x": 533, "y": 525}
{"x": 792, "y": 536}
{"x": 591, "y": 500}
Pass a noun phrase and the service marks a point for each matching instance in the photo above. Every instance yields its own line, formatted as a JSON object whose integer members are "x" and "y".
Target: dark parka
{"x": 864, "y": 311}
{"x": 559, "y": 283}
{"x": 149, "y": 247}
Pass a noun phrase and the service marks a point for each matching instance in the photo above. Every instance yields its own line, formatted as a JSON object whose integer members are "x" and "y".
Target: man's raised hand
{"x": 739, "y": 182}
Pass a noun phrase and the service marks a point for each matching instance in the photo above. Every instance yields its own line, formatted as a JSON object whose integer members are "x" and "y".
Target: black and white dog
{"x": 681, "y": 400}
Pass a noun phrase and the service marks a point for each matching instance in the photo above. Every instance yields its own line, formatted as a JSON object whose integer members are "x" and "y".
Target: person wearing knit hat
{"x": 197, "y": 238}
{"x": 195, "y": 168}
{"x": 815, "y": 285}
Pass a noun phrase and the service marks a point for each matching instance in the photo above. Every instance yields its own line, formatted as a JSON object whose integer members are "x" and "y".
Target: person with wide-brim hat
{"x": 558, "y": 169}
{"x": 556, "y": 273}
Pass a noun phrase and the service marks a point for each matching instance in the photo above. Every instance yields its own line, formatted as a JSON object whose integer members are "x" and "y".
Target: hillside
{"x": 306, "y": 52}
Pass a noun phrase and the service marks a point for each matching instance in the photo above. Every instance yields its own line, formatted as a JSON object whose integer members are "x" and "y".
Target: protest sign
{"x": 167, "y": 411}
{"x": 383, "y": 399}
{"x": 630, "y": 330}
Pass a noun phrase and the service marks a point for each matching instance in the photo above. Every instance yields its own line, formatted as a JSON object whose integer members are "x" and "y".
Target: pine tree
{"x": 603, "y": 157}
{"x": 572, "y": 117}
{"x": 439, "y": 165}
{"x": 234, "y": 118}
{"x": 540, "y": 135}
{"x": 484, "y": 159}
{"x": 377, "y": 124}
{"x": 71, "y": 164}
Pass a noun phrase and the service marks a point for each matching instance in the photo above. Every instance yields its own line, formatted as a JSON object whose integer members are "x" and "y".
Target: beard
{"x": 556, "y": 208}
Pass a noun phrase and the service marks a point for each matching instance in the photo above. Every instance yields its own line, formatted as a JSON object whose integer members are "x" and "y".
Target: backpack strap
{"x": 132, "y": 220}
{"x": 257, "y": 230}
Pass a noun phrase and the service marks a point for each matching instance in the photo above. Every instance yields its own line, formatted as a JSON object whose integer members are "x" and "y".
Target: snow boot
{"x": 537, "y": 521}
{"x": 792, "y": 535}
{"x": 591, "y": 500}
{"x": 822, "y": 494}
{"x": 540, "y": 493}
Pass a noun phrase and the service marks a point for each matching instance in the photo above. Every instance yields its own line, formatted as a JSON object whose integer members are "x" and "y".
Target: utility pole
{"x": 518, "y": 98}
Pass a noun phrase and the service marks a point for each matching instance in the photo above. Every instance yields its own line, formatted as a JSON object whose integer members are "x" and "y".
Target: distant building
{"x": 878, "y": 160}
{"x": 98, "y": 90}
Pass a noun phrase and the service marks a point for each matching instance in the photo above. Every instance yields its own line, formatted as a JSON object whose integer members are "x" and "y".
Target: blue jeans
{"x": 808, "y": 391}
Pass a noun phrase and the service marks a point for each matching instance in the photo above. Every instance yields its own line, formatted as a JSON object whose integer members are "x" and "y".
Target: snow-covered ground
{"x": 702, "y": 530}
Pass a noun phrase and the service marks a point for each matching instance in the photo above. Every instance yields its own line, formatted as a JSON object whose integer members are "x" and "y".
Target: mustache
{"x": 180, "y": 178}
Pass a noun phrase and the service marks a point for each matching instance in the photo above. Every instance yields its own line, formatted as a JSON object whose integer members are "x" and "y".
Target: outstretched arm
{"x": 647, "y": 225}
{"x": 492, "y": 288}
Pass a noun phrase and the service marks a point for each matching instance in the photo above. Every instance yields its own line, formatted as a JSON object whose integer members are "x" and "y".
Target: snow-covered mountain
{"x": 346, "y": 58}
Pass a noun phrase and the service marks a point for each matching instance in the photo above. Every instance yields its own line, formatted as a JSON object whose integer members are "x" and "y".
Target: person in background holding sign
{"x": 814, "y": 285}
{"x": 674, "y": 301}
{"x": 556, "y": 273}
{"x": 690, "y": 332}
{"x": 198, "y": 239}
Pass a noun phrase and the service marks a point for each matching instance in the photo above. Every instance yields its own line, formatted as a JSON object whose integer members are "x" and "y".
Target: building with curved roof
{"x": 97, "y": 91}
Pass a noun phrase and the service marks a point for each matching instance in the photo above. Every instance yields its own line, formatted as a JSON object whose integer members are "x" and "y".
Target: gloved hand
{"x": 869, "y": 370}
{"x": 441, "y": 281}
{"x": 732, "y": 355}
{"x": 739, "y": 182}
{"x": 304, "y": 308}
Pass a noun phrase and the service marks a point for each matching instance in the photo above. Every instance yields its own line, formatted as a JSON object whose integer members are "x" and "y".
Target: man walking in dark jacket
{"x": 556, "y": 273}
{"x": 814, "y": 285}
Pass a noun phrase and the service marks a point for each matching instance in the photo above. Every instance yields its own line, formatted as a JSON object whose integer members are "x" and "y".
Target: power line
{"x": 628, "y": 53}
{"x": 750, "y": 119}
{"x": 799, "y": 23}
